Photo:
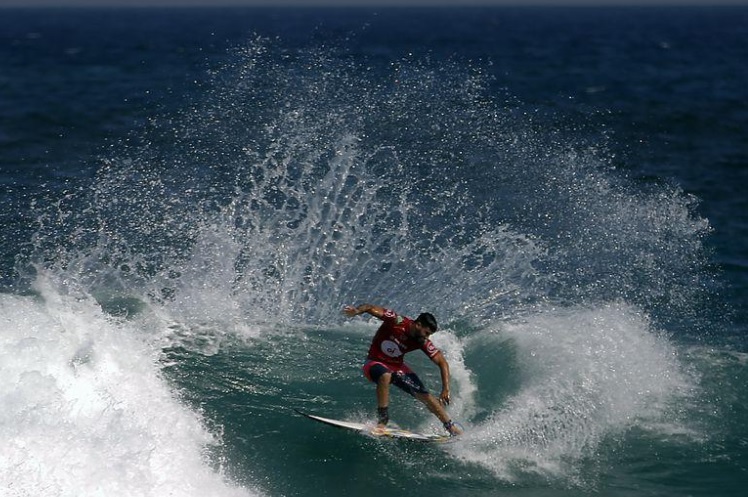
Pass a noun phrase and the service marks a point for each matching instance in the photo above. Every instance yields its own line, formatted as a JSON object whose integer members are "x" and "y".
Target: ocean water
{"x": 190, "y": 197}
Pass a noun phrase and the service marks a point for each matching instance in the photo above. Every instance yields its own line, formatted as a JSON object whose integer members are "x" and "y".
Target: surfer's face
{"x": 419, "y": 331}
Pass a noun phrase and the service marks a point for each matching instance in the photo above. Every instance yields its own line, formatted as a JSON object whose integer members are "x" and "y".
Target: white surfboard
{"x": 388, "y": 432}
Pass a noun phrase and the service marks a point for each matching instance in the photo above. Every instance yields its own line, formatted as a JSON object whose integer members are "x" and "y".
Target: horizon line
{"x": 148, "y": 4}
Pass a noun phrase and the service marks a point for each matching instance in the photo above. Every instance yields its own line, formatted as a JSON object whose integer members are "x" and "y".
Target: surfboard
{"x": 388, "y": 432}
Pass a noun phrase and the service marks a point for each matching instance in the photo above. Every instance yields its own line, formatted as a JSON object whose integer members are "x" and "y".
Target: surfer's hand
{"x": 444, "y": 397}
{"x": 350, "y": 311}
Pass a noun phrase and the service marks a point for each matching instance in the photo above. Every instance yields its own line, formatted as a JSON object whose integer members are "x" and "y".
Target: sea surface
{"x": 190, "y": 197}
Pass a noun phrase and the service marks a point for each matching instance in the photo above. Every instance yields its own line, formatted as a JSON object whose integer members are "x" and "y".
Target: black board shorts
{"x": 402, "y": 377}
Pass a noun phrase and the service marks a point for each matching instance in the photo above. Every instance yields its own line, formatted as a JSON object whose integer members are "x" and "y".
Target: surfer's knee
{"x": 384, "y": 379}
{"x": 374, "y": 372}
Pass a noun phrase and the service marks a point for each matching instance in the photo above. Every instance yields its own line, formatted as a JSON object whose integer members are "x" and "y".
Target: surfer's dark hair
{"x": 427, "y": 319}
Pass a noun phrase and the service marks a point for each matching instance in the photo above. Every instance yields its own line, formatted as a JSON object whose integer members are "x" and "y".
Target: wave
{"x": 296, "y": 183}
{"x": 86, "y": 412}
{"x": 569, "y": 383}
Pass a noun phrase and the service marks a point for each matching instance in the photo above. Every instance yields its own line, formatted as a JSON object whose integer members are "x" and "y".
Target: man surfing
{"x": 384, "y": 365}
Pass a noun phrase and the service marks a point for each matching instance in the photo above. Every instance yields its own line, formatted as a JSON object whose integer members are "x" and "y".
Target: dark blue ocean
{"x": 190, "y": 196}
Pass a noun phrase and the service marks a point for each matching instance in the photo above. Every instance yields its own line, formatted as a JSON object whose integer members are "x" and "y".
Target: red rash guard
{"x": 392, "y": 341}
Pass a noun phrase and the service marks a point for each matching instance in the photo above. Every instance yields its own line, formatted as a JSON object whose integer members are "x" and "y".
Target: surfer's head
{"x": 428, "y": 320}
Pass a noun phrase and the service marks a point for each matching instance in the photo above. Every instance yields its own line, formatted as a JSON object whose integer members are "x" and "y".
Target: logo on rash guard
{"x": 391, "y": 349}
{"x": 430, "y": 349}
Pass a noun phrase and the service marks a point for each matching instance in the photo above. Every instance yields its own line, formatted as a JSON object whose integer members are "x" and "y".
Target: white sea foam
{"x": 85, "y": 412}
{"x": 586, "y": 375}
{"x": 463, "y": 399}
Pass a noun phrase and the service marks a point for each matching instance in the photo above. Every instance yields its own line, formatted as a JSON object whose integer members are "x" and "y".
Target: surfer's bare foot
{"x": 379, "y": 429}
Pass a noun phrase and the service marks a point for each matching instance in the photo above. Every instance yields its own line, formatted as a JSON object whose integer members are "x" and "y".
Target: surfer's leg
{"x": 409, "y": 382}
{"x": 383, "y": 398}
{"x": 433, "y": 405}
{"x": 382, "y": 376}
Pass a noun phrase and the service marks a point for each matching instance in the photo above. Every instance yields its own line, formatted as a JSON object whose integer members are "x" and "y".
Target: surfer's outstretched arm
{"x": 440, "y": 361}
{"x": 374, "y": 310}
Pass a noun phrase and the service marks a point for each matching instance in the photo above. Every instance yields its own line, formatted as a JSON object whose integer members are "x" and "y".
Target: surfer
{"x": 384, "y": 365}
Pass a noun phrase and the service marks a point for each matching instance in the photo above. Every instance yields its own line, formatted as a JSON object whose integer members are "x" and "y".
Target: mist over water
{"x": 300, "y": 181}
{"x": 296, "y": 182}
